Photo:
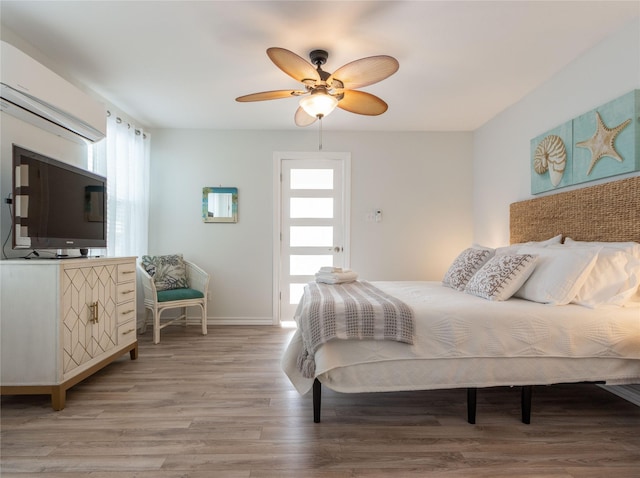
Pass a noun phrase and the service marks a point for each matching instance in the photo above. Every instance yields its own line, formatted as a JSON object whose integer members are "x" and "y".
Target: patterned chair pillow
{"x": 465, "y": 265}
{"x": 168, "y": 272}
{"x": 501, "y": 276}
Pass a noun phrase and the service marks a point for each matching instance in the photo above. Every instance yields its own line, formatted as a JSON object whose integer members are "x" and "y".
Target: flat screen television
{"x": 56, "y": 205}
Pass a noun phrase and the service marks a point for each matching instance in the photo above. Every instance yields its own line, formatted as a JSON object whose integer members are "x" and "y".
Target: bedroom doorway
{"x": 312, "y": 222}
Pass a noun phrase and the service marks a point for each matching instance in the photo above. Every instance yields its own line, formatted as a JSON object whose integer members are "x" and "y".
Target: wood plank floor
{"x": 219, "y": 405}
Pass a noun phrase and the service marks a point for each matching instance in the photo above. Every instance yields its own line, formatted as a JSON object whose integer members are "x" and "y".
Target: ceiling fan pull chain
{"x": 320, "y": 133}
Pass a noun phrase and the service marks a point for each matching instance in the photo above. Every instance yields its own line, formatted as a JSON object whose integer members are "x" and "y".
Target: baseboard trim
{"x": 195, "y": 320}
{"x": 631, "y": 393}
{"x": 240, "y": 321}
{"x": 232, "y": 321}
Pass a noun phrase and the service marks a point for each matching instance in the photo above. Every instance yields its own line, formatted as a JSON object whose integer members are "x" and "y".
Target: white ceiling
{"x": 181, "y": 64}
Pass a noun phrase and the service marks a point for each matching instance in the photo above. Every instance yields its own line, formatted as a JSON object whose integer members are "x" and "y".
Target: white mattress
{"x": 465, "y": 341}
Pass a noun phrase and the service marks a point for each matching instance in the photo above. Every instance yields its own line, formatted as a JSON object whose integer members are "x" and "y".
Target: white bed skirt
{"x": 433, "y": 374}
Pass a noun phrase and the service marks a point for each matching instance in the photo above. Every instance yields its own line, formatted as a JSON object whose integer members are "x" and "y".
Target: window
{"x": 123, "y": 157}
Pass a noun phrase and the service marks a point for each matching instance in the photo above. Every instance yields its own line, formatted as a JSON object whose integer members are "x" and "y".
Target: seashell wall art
{"x": 551, "y": 155}
{"x": 600, "y": 143}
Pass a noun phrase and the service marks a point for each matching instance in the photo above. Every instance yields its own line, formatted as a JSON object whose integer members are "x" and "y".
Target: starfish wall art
{"x": 601, "y": 143}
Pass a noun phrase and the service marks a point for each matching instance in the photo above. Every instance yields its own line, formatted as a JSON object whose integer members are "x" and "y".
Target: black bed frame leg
{"x": 317, "y": 396}
{"x": 526, "y": 403}
{"x": 471, "y": 405}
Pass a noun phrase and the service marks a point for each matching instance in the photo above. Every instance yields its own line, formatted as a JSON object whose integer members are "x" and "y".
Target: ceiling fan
{"x": 324, "y": 91}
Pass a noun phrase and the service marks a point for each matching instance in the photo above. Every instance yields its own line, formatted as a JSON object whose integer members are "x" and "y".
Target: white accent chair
{"x": 156, "y": 302}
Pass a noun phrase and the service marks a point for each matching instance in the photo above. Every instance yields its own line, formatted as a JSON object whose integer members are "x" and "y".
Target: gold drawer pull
{"x": 127, "y": 311}
{"x": 128, "y": 291}
{"x": 128, "y": 331}
{"x": 93, "y": 308}
{"x": 128, "y": 272}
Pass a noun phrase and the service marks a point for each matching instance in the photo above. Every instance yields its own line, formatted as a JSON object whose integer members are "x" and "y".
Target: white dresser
{"x": 63, "y": 320}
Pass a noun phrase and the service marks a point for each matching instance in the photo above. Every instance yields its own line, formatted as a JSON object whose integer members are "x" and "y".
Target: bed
{"x": 462, "y": 340}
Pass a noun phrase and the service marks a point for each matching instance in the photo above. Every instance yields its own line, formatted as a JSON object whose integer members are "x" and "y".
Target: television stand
{"x": 62, "y": 321}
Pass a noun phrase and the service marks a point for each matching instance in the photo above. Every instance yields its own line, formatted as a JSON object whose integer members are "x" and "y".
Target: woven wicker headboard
{"x": 605, "y": 212}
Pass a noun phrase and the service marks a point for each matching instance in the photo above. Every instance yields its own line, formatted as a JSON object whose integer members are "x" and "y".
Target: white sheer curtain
{"x": 123, "y": 157}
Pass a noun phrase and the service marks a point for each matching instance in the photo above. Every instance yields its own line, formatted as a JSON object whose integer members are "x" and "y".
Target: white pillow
{"x": 515, "y": 248}
{"x": 559, "y": 274}
{"x": 547, "y": 242}
{"x": 630, "y": 247}
{"x": 465, "y": 265}
{"x": 501, "y": 276}
{"x": 614, "y": 280}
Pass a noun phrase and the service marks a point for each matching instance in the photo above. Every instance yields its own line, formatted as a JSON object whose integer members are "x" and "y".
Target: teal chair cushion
{"x": 179, "y": 294}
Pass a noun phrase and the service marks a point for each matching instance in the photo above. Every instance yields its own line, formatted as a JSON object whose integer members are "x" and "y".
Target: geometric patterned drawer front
{"x": 82, "y": 339}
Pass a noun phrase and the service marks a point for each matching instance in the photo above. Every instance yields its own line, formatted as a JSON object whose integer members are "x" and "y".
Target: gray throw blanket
{"x": 354, "y": 310}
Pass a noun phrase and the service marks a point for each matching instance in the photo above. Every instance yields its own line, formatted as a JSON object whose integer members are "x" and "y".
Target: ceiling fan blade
{"x": 302, "y": 118}
{"x": 365, "y": 71}
{"x": 269, "y": 95}
{"x": 362, "y": 103}
{"x": 293, "y": 65}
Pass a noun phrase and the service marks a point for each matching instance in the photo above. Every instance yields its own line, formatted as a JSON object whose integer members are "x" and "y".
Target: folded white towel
{"x": 336, "y": 277}
{"x": 331, "y": 269}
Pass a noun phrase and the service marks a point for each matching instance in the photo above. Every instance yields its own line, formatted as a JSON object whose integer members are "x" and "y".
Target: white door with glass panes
{"x": 313, "y": 231}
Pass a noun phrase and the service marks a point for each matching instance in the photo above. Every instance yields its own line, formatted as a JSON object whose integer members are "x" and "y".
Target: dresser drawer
{"x": 127, "y": 332}
{"x": 125, "y": 292}
{"x": 126, "y": 311}
{"x": 126, "y": 271}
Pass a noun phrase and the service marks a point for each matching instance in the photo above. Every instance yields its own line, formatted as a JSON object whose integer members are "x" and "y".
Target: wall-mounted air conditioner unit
{"x": 35, "y": 94}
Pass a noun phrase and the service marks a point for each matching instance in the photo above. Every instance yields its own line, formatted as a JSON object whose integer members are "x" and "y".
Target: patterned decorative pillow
{"x": 501, "y": 276}
{"x": 168, "y": 272}
{"x": 465, "y": 265}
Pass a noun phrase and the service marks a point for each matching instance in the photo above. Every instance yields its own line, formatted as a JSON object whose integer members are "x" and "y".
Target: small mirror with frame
{"x": 219, "y": 204}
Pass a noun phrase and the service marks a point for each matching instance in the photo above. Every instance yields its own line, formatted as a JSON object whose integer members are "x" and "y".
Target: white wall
{"x": 16, "y": 131}
{"x": 438, "y": 191}
{"x": 421, "y": 181}
{"x": 501, "y": 171}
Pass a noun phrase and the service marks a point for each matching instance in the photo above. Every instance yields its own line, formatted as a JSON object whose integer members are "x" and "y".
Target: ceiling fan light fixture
{"x": 323, "y": 91}
{"x": 318, "y": 104}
